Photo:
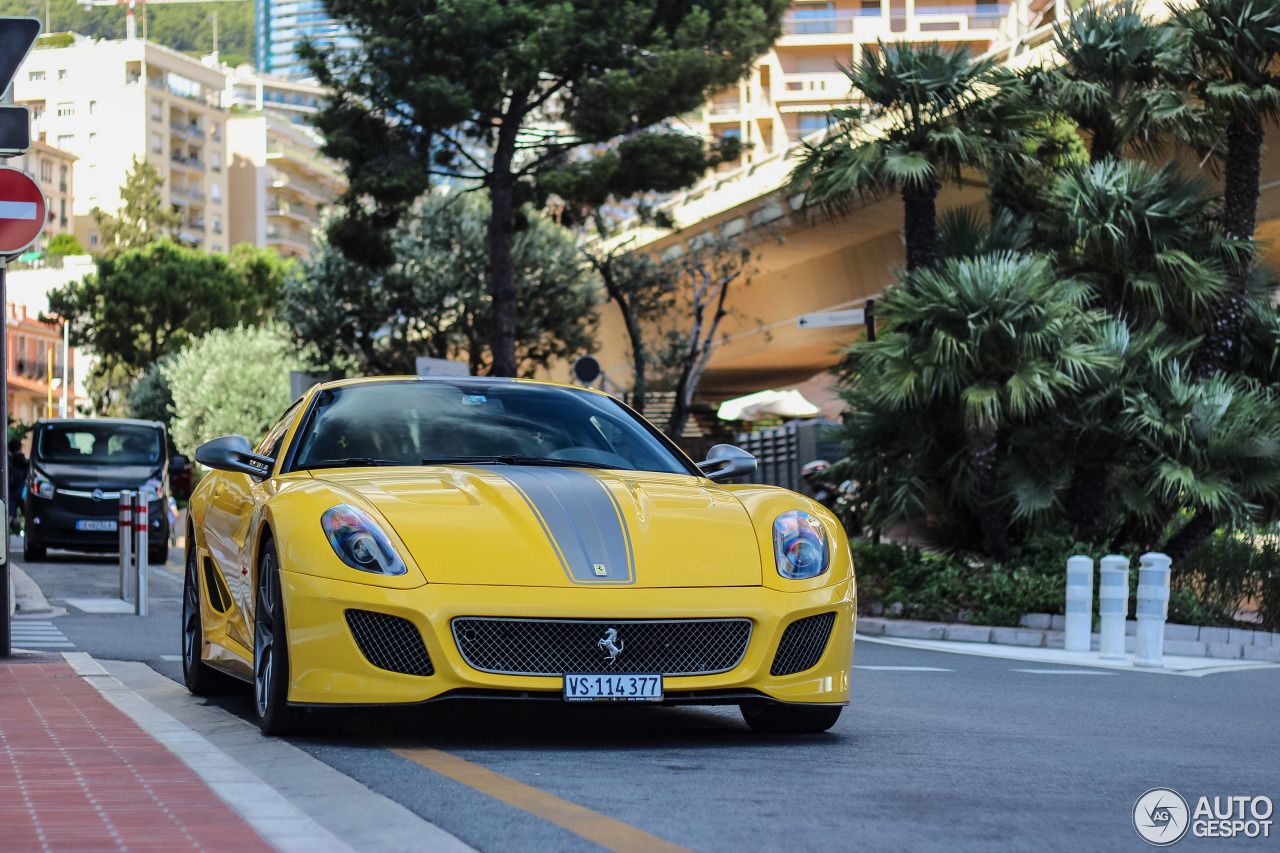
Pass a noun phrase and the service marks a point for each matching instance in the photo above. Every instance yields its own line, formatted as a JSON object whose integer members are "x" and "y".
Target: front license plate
{"x": 597, "y": 687}
{"x": 95, "y": 525}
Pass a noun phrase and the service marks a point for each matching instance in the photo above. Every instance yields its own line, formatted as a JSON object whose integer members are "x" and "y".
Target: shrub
{"x": 230, "y": 382}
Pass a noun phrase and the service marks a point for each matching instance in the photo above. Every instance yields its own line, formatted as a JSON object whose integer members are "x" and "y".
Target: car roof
{"x": 78, "y": 421}
{"x": 460, "y": 381}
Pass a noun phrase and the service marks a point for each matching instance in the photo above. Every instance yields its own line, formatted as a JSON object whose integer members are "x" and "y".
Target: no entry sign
{"x": 22, "y": 211}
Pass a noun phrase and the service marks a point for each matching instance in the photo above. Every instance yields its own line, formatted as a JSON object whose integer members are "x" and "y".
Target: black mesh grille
{"x": 557, "y": 646}
{"x": 105, "y": 508}
{"x": 802, "y": 644}
{"x": 389, "y": 642}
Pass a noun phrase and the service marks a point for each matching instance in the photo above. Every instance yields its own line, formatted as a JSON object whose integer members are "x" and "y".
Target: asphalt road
{"x": 936, "y": 752}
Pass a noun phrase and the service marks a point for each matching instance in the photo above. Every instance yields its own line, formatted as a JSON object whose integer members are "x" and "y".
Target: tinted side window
{"x": 273, "y": 442}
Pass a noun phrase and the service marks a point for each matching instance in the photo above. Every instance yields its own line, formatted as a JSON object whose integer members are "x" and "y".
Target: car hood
{"x": 553, "y": 526}
{"x": 109, "y": 478}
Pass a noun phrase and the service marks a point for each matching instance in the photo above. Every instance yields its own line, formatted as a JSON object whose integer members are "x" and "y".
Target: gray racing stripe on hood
{"x": 582, "y": 520}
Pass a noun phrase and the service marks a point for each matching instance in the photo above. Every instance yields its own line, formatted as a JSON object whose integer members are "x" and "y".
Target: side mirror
{"x": 726, "y": 462}
{"x": 233, "y": 453}
{"x": 177, "y": 463}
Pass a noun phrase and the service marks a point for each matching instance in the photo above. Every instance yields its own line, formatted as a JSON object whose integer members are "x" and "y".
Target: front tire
{"x": 200, "y": 678}
{"x": 271, "y": 651}
{"x": 777, "y": 718}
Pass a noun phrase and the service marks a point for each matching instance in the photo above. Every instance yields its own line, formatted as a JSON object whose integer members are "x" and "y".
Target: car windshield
{"x": 440, "y": 422}
{"x": 89, "y": 443}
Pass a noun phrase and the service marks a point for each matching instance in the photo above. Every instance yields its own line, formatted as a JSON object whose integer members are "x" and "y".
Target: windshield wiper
{"x": 354, "y": 462}
{"x": 512, "y": 460}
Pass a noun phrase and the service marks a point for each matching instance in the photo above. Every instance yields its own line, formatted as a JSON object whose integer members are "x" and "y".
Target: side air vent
{"x": 389, "y": 642}
{"x": 219, "y": 595}
{"x": 802, "y": 644}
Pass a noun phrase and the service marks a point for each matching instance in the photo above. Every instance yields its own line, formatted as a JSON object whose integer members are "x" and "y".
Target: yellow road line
{"x": 593, "y": 826}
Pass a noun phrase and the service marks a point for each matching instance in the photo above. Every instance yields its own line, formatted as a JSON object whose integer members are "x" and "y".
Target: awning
{"x": 767, "y": 404}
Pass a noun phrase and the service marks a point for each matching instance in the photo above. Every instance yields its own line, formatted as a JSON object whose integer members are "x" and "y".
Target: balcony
{"x": 915, "y": 21}
{"x": 733, "y": 109}
{"x": 824, "y": 86}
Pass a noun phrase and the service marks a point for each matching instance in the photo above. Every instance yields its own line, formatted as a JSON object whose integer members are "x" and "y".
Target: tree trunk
{"x": 1219, "y": 351}
{"x": 1190, "y": 537}
{"x": 501, "y": 233}
{"x": 920, "y": 226}
{"x": 1102, "y": 145}
{"x": 981, "y": 446}
{"x": 638, "y": 355}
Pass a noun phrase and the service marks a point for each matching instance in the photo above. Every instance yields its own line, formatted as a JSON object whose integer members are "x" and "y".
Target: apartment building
{"x": 33, "y": 347}
{"x": 54, "y": 170}
{"x": 281, "y": 186}
{"x": 791, "y": 90}
{"x": 110, "y": 101}
{"x": 281, "y": 26}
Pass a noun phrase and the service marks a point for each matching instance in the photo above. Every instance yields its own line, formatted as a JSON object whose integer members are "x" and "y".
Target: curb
{"x": 1218, "y": 643}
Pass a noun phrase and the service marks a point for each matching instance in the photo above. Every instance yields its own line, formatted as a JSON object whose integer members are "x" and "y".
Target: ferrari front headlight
{"x": 360, "y": 542}
{"x": 800, "y": 545}
{"x": 41, "y": 485}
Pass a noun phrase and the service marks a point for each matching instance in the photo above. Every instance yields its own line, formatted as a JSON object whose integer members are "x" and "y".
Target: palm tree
{"x": 918, "y": 138}
{"x": 1234, "y": 53}
{"x": 1115, "y": 78}
{"x": 994, "y": 340}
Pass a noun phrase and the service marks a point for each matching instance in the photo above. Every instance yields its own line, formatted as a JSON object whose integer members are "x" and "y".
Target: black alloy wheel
{"x": 200, "y": 678}
{"x": 271, "y": 651}
{"x": 32, "y": 551}
{"x": 778, "y": 718}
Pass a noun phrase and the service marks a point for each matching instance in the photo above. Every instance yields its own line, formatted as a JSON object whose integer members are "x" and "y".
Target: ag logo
{"x": 1161, "y": 817}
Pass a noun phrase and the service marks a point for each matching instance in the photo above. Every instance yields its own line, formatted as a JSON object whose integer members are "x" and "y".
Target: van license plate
{"x": 597, "y": 687}
{"x": 96, "y": 525}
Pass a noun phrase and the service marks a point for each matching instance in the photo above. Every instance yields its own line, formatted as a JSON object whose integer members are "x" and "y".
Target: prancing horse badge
{"x": 601, "y": 571}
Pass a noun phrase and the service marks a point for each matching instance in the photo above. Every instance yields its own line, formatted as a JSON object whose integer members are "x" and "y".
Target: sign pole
{"x": 6, "y": 577}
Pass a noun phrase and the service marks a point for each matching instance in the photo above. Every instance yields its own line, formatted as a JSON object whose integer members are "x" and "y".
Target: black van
{"x": 78, "y": 468}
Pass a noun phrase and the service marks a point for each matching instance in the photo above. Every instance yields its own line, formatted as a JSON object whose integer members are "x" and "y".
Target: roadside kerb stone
{"x": 870, "y": 626}
{"x": 1186, "y": 648}
{"x": 1269, "y": 653}
{"x": 1039, "y": 621}
{"x": 914, "y": 630}
{"x": 1181, "y": 632}
{"x": 1057, "y": 622}
{"x": 967, "y": 633}
{"x": 1215, "y": 635}
{"x": 1017, "y": 637}
{"x": 1223, "y": 650}
{"x": 1239, "y": 635}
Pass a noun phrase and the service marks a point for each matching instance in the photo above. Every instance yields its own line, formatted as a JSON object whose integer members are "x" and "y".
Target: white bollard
{"x": 140, "y": 551}
{"x": 1079, "y": 604}
{"x": 1113, "y": 605}
{"x": 1153, "y": 609}
{"x": 125, "y": 528}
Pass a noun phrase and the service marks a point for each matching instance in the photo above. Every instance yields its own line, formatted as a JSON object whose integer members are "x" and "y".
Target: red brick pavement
{"x": 79, "y": 776}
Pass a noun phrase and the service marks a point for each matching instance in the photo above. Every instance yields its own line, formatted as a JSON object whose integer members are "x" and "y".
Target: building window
{"x": 215, "y": 161}
{"x": 62, "y": 75}
{"x": 62, "y": 179}
{"x": 66, "y": 141}
{"x": 157, "y": 144}
{"x": 37, "y": 109}
{"x": 62, "y": 203}
{"x": 35, "y": 76}
{"x": 215, "y": 192}
{"x": 217, "y": 225}
{"x": 93, "y": 107}
{"x": 46, "y": 171}
{"x": 93, "y": 138}
{"x": 66, "y": 108}
{"x": 216, "y": 247}
{"x": 93, "y": 238}
{"x": 155, "y": 111}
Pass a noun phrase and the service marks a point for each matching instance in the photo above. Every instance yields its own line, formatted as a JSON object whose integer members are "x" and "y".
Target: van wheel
{"x": 32, "y": 552}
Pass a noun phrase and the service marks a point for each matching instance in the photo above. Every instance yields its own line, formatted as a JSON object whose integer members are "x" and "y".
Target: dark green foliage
{"x": 922, "y": 97}
{"x": 434, "y": 301}
{"x": 1230, "y": 568}
{"x": 143, "y": 304}
{"x": 183, "y": 27}
{"x": 499, "y": 94}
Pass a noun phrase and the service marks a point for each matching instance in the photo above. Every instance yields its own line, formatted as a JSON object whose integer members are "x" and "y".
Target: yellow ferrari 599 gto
{"x": 404, "y": 540}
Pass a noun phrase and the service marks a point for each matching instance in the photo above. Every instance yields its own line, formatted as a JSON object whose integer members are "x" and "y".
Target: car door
{"x": 234, "y": 507}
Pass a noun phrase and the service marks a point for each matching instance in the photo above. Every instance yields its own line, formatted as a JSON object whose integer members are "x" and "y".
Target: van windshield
{"x": 88, "y": 443}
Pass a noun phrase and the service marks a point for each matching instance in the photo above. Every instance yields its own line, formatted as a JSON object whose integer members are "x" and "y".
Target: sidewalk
{"x": 80, "y": 775}
{"x": 123, "y": 759}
